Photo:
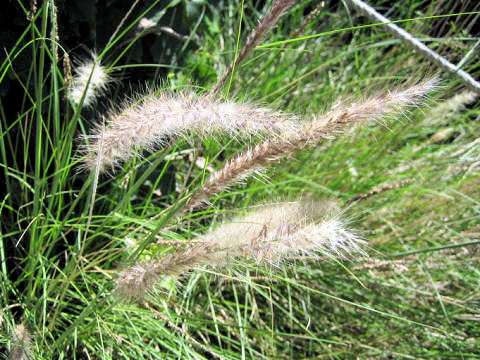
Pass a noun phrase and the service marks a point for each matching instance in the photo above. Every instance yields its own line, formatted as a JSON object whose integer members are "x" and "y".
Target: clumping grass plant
{"x": 152, "y": 226}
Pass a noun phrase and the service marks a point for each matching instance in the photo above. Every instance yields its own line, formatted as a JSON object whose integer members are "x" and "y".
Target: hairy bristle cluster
{"x": 269, "y": 234}
{"x": 279, "y": 8}
{"x": 89, "y": 82}
{"x": 309, "y": 134}
{"x": 21, "y": 343}
{"x": 137, "y": 280}
{"x": 145, "y": 125}
{"x": 272, "y": 233}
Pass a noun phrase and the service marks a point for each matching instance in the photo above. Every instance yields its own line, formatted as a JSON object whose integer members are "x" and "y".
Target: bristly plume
{"x": 269, "y": 234}
{"x": 21, "y": 343}
{"x": 311, "y": 133}
{"x": 147, "y": 124}
{"x": 137, "y": 280}
{"x": 279, "y": 8}
{"x": 89, "y": 82}
{"x": 272, "y": 233}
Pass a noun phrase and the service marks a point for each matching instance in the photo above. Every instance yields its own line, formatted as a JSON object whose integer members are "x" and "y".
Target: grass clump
{"x": 169, "y": 256}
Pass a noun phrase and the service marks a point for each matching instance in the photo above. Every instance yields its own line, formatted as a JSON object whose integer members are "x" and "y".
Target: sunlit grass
{"x": 415, "y": 297}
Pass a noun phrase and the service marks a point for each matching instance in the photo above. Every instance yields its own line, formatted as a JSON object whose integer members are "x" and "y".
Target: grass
{"x": 415, "y": 297}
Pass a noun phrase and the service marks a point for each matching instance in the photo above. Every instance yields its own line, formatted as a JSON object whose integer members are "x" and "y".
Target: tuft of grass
{"x": 409, "y": 188}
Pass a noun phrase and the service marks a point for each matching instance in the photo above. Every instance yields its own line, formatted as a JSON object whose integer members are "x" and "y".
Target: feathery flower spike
{"x": 21, "y": 340}
{"x": 320, "y": 128}
{"x": 269, "y": 234}
{"x": 158, "y": 117}
{"x": 91, "y": 79}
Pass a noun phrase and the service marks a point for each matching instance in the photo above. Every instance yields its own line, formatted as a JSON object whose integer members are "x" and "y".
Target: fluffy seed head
{"x": 91, "y": 79}
{"x": 21, "y": 343}
{"x": 269, "y": 234}
{"x": 137, "y": 280}
{"x": 276, "y": 232}
{"x": 148, "y": 124}
{"x": 310, "y": 133}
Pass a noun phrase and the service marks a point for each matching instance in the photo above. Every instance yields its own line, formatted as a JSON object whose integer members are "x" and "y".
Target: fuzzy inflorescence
{"x": 309, "y": 134}
{"x": 21, "y": 343}
{"x": 274, "y": 232}
{"x": 89, "y": 82}
{"x": 269, "y": 234}
{"x": 145, "y": 125}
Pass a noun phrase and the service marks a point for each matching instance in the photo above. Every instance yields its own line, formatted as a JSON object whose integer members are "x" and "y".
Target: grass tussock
{"x": 213, "y": 268}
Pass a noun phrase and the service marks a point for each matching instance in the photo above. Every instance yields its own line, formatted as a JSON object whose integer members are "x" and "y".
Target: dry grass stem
{"x": 269, "y": 234}
{"x": 312, "y": 132}
{"x": 178, "y": 329}
{"x": 379, "y": 190}
{"x": 307, "y": 20}
{"x": 148, "y": 124}
{"x": 279, "y": 8}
